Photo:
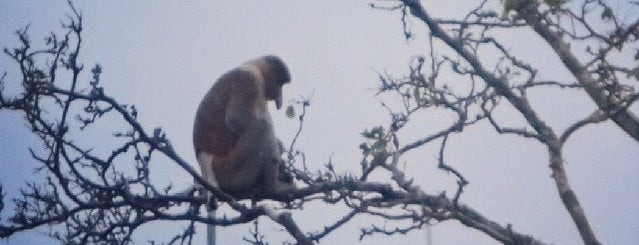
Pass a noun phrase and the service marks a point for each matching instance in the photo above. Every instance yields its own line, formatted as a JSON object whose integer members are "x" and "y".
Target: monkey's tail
{"x": 210, "y": 229}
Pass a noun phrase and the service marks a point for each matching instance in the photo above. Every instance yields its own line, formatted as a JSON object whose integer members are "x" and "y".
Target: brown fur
{"x": 233, "y": 133}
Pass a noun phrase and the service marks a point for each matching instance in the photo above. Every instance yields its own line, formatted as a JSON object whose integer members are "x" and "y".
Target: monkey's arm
{"x": 242, "y": 106}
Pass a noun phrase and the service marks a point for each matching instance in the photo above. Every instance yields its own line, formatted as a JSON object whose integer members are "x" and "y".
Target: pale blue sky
{"x": 163, "y": 55}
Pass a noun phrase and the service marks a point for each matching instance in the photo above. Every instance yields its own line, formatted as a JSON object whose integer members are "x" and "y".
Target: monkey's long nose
{"x": 278, "y": 100}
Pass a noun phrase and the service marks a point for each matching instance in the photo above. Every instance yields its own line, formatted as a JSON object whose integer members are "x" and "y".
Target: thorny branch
{"x": 107, "y": 198}
{"x": 93, "y": 198}
{"x": 600, "y": 78}
{"x": 87, "y": 197}
{"x": 610, "y": 83}
{"x": 97, "y": 199}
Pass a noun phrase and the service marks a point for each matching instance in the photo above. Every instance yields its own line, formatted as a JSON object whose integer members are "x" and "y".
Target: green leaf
{"x": 290, "y": 111}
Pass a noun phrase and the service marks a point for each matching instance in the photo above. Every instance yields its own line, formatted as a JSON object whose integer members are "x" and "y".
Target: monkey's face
{"x": 273, "y": 91}
{"x": 275, "y": 75}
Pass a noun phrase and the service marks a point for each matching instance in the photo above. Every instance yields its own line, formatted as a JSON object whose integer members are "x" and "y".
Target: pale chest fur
{"x": 253, "y": 68}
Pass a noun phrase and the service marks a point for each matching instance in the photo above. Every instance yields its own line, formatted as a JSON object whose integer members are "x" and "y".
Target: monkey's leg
{"x": 205, "y": 160}
{"x": 242, "y": 173}
{"x": 276, "y": 179}
{"x": 210, "y": 229}
{"x": 274, "y": 175}
{"x": 206, "y": 166}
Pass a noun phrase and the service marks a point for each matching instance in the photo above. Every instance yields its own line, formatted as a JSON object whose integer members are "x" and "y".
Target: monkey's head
{"x": 275, "y": 75}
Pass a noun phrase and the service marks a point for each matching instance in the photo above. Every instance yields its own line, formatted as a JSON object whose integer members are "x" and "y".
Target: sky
{"x": 163, "y": 56}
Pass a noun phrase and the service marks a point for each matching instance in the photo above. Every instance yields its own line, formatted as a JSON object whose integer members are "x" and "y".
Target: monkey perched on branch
{"x": 233, "y": 133}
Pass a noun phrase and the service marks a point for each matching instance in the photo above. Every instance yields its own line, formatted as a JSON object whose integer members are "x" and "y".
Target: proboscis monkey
{"x": 233, "y": 133}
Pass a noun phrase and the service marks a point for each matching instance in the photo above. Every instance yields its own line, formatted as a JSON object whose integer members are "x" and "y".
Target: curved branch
{"x": 612, "y": 105}
{"x": 521, "y": 104}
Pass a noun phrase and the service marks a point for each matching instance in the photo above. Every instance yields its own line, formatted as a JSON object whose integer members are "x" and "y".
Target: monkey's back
{"x": 210, "y": 131}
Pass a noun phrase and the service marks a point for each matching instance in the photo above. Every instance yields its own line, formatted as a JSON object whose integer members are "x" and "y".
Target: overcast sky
{"x": 163, "y": 56}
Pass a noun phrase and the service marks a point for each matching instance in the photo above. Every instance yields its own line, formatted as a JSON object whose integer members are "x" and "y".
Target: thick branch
{"x": 610, "y": 104}
{"x": 521, "y": 104}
